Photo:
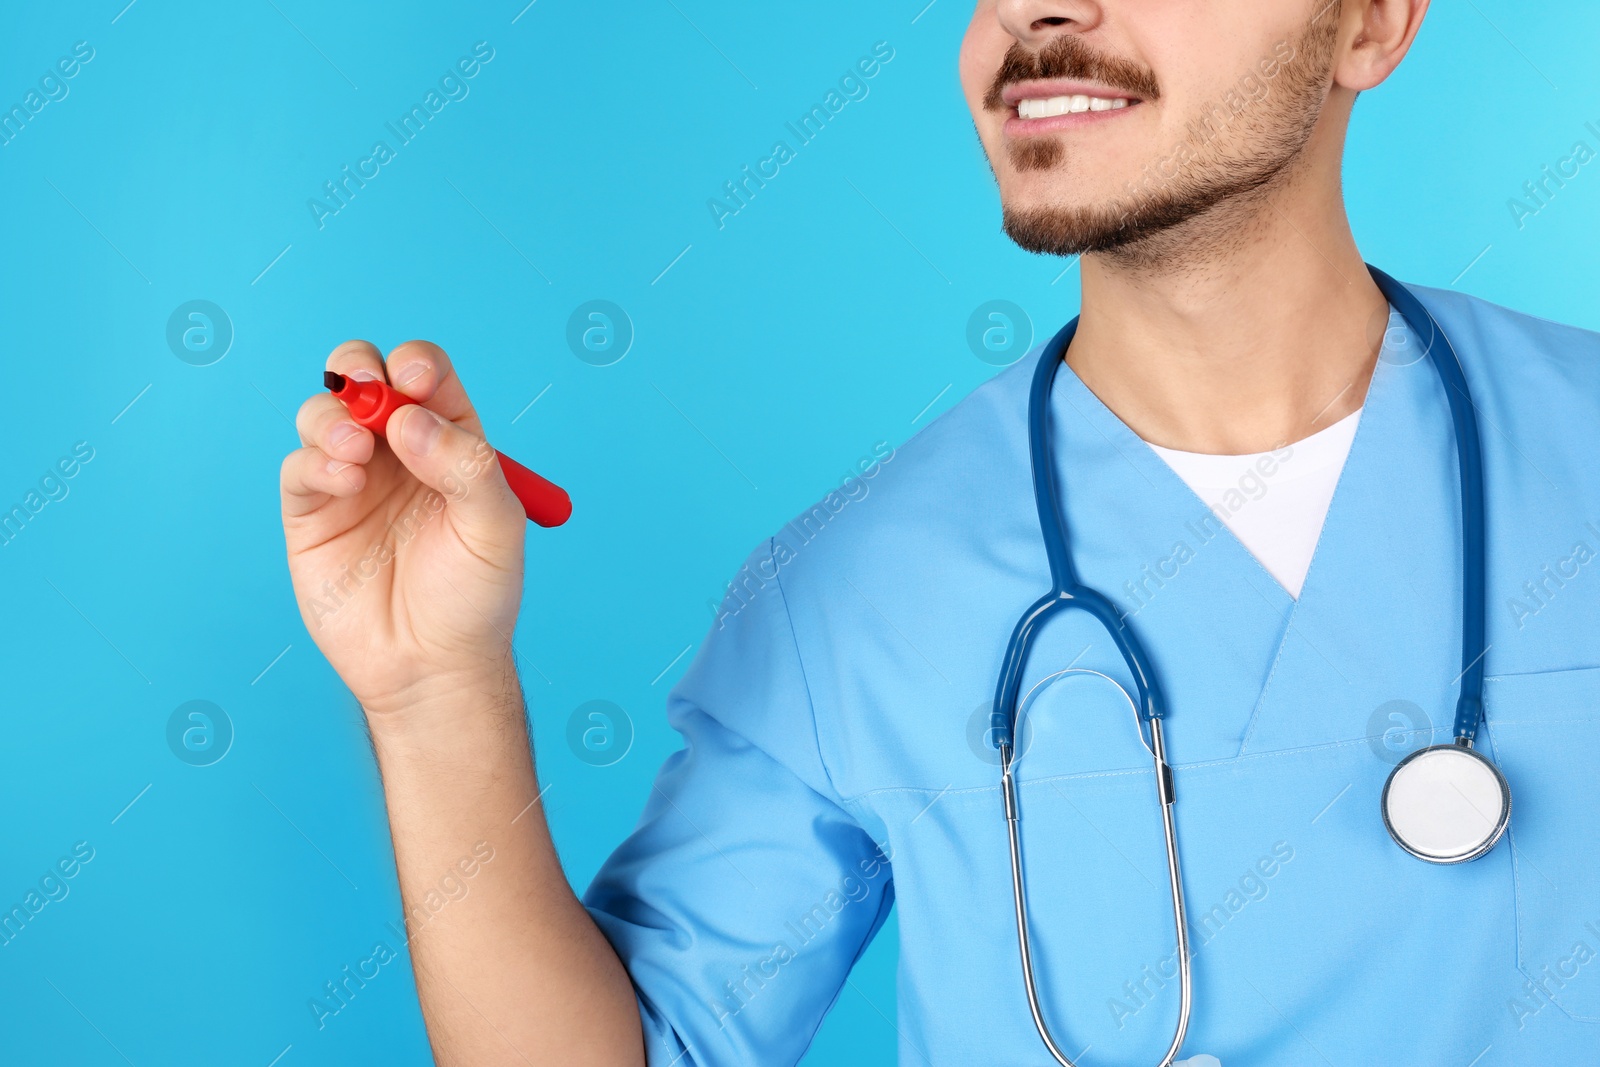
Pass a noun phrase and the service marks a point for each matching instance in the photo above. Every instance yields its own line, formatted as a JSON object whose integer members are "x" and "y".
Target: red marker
{"x": 371, "y": 404}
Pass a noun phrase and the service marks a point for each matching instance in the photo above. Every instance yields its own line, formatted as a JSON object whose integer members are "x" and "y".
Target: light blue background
{"x": 829, "y": 314}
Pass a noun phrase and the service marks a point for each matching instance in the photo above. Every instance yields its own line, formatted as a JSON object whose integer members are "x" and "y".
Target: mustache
{"x": 1068, "y": 56}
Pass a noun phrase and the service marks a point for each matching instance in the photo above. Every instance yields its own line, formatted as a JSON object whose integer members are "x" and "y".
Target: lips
{"x": 1046, "y": 106}
{"x": 1075, "y": 104}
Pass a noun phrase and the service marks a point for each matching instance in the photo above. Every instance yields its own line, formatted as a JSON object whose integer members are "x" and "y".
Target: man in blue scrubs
{"x": 1258, "y": 469}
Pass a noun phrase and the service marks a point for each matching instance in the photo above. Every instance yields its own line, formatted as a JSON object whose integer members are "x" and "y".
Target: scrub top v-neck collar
{"x": 1230, "y": 645}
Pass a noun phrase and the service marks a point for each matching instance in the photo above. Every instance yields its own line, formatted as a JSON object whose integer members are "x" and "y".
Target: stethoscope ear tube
{"x": 1065, "y": 589}
{"x": 1149, "y": 709}
{"x": 1019, "y": 896}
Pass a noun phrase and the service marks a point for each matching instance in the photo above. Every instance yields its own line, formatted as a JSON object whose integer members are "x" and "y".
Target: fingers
{"x": 443, "y": 446}
{"x": 456, "y": 462}
{"x": 360, "y": 360}
{"x": 422, "y": 371}
{"x": 323, "y": 422}
{"x": 309, "y": 477}
{"x": 336, "y": 446}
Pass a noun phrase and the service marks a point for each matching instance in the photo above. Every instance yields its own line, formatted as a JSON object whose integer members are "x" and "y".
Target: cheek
{"x": 982, "y": 51}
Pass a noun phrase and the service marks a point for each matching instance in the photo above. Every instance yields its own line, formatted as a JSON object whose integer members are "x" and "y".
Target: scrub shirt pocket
{"x": 1544, "y": 730}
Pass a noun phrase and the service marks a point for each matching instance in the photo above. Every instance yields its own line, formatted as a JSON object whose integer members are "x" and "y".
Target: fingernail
{"x": 341, "y": 434}
{"x": 334, "y": 466}
{"x": 421, "y": 431}
{"x": 409, "y": 373}
{"x": 362, "y": 376}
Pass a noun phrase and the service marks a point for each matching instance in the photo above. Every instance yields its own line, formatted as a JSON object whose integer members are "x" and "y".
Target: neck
{"x": 1254, "y": 327}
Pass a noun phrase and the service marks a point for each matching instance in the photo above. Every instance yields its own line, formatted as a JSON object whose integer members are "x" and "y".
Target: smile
{"x": 1068, "y": 105}
{"x": 1039, "y": 107}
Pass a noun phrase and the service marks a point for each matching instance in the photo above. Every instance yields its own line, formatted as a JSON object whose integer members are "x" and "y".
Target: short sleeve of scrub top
{"x": 747, "y": 892}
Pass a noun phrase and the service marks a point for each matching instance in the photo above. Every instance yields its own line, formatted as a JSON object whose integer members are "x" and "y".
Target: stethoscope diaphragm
{"x": 1446, "y": 804}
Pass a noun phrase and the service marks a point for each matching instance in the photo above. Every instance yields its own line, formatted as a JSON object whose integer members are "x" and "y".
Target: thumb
{"x": 456, "y": 463}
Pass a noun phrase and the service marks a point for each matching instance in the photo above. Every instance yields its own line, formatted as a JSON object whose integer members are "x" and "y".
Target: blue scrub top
{"x": 835, "y": 758}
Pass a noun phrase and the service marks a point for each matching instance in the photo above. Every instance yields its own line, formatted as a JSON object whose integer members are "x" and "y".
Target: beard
{"x": 1230, "y": 153}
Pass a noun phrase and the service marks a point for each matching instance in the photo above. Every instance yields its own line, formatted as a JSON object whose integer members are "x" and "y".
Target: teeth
{"x": 1068, "y": 105}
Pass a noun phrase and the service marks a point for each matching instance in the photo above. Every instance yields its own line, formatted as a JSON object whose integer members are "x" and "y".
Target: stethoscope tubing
{"x": 1066, "y": 591}
{"x": 1474, "y": 524}
{"x": 1180, "y": 919}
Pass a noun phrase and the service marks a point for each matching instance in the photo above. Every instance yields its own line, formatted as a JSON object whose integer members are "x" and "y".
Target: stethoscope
{"x": 1444, "y": 803}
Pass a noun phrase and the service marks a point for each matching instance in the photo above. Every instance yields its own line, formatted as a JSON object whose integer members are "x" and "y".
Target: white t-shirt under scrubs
{"x": 1278, "y": 516}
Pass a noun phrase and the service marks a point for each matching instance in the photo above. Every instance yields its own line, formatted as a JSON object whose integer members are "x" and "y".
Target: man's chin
{"x": 1125, "y": 228}
{"x": 1055, "y": 231}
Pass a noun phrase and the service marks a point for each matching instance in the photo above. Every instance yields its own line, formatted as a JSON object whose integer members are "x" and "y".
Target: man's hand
{"x": 407, "y": 562}
{"x": 406, "y": 556}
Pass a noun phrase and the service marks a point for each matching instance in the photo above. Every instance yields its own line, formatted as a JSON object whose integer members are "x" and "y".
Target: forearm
{"x": 512, "y": 969}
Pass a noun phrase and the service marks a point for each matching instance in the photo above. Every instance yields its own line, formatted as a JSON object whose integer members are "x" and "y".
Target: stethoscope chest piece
{"x": 1446, "y": 804}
